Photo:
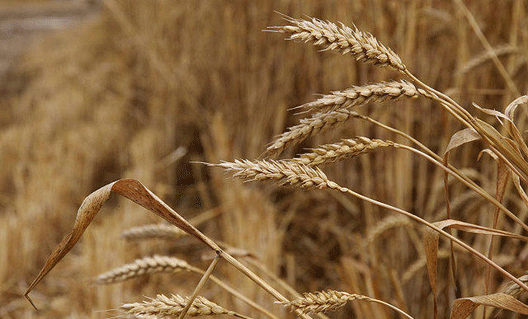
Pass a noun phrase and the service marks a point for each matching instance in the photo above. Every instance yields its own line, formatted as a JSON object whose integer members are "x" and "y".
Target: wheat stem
{"x": 199, "y": 286}
{"x": 310, "y": 177}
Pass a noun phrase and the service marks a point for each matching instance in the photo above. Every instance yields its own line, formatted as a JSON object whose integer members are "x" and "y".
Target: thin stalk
{"x": 398, "y": 310}
{"x": 280, "y": 282}
{"x": 437, "y": 229}
{"x": 487, "y": 46}
{"x": 463, "y": 116}
{"x": 199, "y": 286}
{"x": 235, "y": 293}
{"x": 437, "y": 160}
{"x": 450, "y": 104}
{"x": 251, "y": 275}
{"x": 472, "y": 186}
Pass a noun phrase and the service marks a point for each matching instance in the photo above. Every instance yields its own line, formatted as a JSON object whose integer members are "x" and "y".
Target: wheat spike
{"x": 362, "y": 95}
{"x": 147, "y": 265}
{"x": 285, "y": 172}
{"x": 332, "y": 113}
{"x": 322, "y": 301}
{"x": 346, "y": 148}
{"x": 172, "y": 306}
{"x": 153, "y": 231}
{"x": 363, "y": 45}
{"x": 318, "y": 123}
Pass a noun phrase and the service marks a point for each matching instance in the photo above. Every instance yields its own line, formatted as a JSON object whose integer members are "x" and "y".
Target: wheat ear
{"x": 285, "y": 172}
{"x": 164, "y": 231}
{"x": 329, "y": 300}
{"x": 362, "y": 95}
{"x": 332, "y": 113}
{"x": 146, "y": 265}
{"x": 347, "y": 148}
{"x": 343, "y": 39}
{"x": 172, "y": 306}
{"x": 317, "y": 123}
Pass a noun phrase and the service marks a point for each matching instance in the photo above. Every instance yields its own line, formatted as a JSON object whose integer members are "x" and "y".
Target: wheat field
{"x": 192, "y": 99}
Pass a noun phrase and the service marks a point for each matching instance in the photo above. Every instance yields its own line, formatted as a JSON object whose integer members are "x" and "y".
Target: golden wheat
{"x": 361, "y": 95}
{"x": 174, "y": 305}
{"x": 329, "y": 153}
{"x": 142, "y": 266}
{"x": 342, "y": 39}
{"x": 285, "y": 172}
{"x": 164, "y": 231}
{"x": 329, "y": 300}
{"x": 317, "y": 123}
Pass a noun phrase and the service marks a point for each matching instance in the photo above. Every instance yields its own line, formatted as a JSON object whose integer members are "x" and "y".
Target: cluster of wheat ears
{"x": 328, "y": 112}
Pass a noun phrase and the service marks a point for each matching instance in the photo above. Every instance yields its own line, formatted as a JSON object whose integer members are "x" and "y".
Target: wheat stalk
{"x": 346, "y": 148}
{"x": 174, "y": 305}
{"x": 343, "y": 39}
{"x": 329, "y": 300}
{"x": 362, "y": 95}
{"x": 153, "y": 231}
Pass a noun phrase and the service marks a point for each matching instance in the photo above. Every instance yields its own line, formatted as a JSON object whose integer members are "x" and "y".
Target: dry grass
{"x": 88, "y": 106}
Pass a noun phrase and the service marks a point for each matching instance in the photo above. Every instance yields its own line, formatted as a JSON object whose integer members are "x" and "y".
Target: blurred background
{"x": 94, "y": 91}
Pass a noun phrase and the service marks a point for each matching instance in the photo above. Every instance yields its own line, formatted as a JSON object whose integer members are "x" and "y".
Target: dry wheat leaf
{"x": 498, "y": 115}
{"x": 520, "y": 189}
{"x": 129, "y": 188}
{"x": 503, "y": 174}
{"x": 463, "y": 307}
{"x": 461, "y": 137}
{"x": 508, "y": 123}
{"x": 505, "y": 146}
{"x": 510, "y": 109}
{"x": 512, "y": 129}
{"x": 431, "y": 239}
{"x": 477, "y": 229}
